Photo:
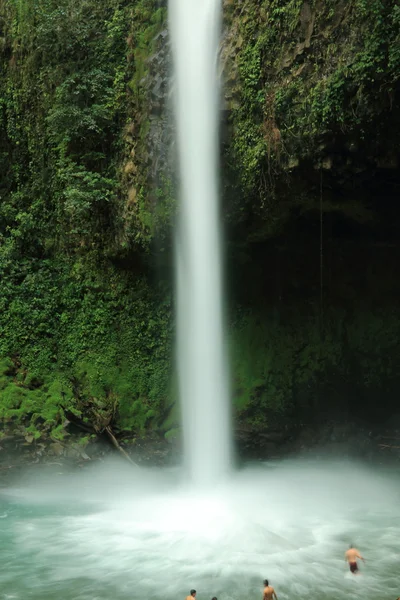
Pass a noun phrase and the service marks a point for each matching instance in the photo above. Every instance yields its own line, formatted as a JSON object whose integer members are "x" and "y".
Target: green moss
{"x": 150, "y": 213}
{"x": 271, "y": 365}
{"x": 172, "y": 435}
{"x": 147, "y": 22}
{"x": 6, "y": 366}
{"x": 58, "y": 433}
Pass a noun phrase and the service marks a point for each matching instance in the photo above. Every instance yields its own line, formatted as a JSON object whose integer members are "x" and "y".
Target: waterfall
{"x": 202, "y": 365}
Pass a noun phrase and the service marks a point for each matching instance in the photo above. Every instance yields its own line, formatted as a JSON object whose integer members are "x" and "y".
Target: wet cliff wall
{"x": 310, "y": 180}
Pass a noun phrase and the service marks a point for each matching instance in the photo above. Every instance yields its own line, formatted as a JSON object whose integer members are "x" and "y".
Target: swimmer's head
{"x": 266, "y": 582}
{"x": 351, "y": 546}
{"x": 193, "y": 593}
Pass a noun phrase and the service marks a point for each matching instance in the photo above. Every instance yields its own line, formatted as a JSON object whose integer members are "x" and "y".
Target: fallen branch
{"x": 98, "y": 431}
{"x": 117, "y": 446}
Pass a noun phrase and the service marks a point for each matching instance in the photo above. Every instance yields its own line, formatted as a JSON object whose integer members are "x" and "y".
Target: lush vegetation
{"x": 75, "y": 327}
{"x": 314, "y": 87}
{"x": 86, "y": 202}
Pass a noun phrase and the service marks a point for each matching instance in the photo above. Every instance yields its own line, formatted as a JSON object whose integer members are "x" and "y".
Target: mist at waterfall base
{"x": 114, "y": 531}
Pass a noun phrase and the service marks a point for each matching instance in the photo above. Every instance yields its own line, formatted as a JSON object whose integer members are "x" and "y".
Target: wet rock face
{"x": 258, "y": 443}
{"x": 161, "y": 125}
{"x": 148, "y": 138}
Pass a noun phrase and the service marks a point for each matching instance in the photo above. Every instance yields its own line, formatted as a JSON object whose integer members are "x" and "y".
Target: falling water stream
{"x": 195, "y": 27}
{"x": 118, "y": 532}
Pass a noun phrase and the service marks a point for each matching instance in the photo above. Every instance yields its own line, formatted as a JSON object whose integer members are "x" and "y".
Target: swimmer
{"x": 191, "y": 595}
{"x": 269, "y": 592}
{"x": 351, "y": 556}
{"x": 214, "y": 598}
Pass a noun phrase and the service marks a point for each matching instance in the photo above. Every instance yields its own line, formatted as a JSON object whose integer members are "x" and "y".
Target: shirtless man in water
{"x": 351, "y": 556}
{"x": 269, "y": 592}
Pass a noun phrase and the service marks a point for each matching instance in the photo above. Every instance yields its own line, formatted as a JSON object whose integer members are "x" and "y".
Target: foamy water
{"x": 142, "y": 534}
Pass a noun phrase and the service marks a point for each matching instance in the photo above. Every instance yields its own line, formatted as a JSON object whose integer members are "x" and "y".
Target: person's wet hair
{"x": 215, "y": 598}
{"x": 192, "y": 592}
{"x": 266, "y": 582}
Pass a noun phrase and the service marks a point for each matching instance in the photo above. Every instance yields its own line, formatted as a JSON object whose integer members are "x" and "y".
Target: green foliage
{"x": 81, "y": 325}
{"x": 148, "y": 21}
{"x": 352, "y": 89}
{"x": 6, "y": 367}
{"x": 261, "y": 26}
{"x": 155, "y": 203}
{"x": 77, "y": 328}
{"x": 19, "y": 403}
{"x": 303, "y": 78}
{"x": 280, "y": 370}
{"x": 106, "y": 341}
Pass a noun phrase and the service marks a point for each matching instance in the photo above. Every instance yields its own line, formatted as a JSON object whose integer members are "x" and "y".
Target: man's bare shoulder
{"x": 268, "y": 591}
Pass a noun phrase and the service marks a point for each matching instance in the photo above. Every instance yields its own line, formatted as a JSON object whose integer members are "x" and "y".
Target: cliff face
{"x": 313, "y": 95}
{"x": 310, "y": 170}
